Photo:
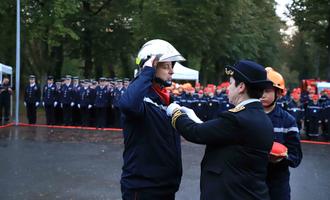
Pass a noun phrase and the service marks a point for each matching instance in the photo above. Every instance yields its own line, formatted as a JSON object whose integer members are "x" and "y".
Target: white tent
{"x": 4, "y": 69}
{"x": 184, "y": 73}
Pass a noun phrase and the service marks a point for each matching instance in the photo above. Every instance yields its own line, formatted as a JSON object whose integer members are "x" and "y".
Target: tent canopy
{"x": 184, "y": 73}
{"x": 4, "y": 69}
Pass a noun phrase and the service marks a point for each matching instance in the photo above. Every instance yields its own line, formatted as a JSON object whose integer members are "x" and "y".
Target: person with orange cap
{"x": 286, "y": 133}
{"x": 313, "y": 116}
{"x": 296, "y": 108}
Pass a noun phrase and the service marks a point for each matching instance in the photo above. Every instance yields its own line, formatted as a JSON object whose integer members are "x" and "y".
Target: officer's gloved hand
{"x": 151, "y": 62}
{"x": 37, "y": 104}
{"x": 191, "y": 114}
{"x": 55, "y": 103}
{"x": 78, "y": 105}
{"x": 24, "y": 103}
{"x": 170, "y": 109}
{"x": 72, "y": 104}
{"x": 43, "y": 104}
{"x": 89, "y": 106}
{"x": 61, "y": 105}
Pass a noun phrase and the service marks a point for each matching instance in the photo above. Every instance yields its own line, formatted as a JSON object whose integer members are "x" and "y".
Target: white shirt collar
{"x": 243, "y": 103}
{"x": 31, "y": 85}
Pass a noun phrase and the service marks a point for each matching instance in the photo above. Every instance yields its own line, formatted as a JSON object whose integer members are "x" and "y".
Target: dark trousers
{"x": 50, "y": 114}
{"x": 148, "y": 194}
{"x": 4, "y": 106}
{"x": 67, "y": 114}
{"x": 101, "y": 117}
{"x": 58, "y": 114}
{"x": 76, "y": 117}
{"x": 85, "y": 116}
{"x": 312, "y": 127}
{"x": 31, "y": 112}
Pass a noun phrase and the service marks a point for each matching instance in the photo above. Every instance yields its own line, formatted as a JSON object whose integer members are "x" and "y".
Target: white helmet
{"x": 164, "y": 50}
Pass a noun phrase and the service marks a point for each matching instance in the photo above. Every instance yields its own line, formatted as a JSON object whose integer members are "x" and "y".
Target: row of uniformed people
{"x": 206, "y": 105}
{"x": 313, "y": 111}
{"x": 76, "y": 103}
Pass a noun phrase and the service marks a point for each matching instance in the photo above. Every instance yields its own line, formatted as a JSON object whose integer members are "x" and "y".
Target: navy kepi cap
{"x": 250, "y": 73}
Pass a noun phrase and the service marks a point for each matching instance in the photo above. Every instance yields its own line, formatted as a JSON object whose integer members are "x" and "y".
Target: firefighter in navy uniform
{"x": 199, "y": 105}
{"x": 76, "y": 117}
{"x": 326, "y": 116}
{"x": 117, "y": 93}
{"x": 212, "y": 106}
{"x": 237, "y": 142}
{"x": 102, "y": 96}
{"x": 5, "y": 93}
{"x": 32, "y": 99}
{"x": 67, "y": 98}
{"x": 85, "y": 102}
{"x": 57, "y": 106}
{"x": 296, "y": 109}
{"x": 49, "y": 100}
{"x": 285, "y": 131}
{"x": 152, "y": 155}
{"x": 313, "y": 117}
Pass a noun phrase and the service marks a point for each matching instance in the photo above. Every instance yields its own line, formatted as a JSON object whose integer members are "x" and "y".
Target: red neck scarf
{"x": 162, "y": 93}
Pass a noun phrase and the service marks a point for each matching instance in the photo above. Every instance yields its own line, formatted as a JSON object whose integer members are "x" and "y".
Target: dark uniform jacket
{"x": 236, "y": 156}
{"x": 50, "y": 94}
{"x": 32, "y": 94}
{"x": 152, "y": 154}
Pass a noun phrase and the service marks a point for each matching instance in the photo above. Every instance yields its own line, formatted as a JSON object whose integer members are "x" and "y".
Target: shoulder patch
{"x": 237, "y": 109}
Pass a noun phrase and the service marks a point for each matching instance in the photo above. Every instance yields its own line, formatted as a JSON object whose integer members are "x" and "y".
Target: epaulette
{"x": 237, "y": 109}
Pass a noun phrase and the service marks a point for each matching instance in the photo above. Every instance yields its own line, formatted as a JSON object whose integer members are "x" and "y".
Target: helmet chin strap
{"x": 163, "y": 83}
{"x": 275, "y": 99}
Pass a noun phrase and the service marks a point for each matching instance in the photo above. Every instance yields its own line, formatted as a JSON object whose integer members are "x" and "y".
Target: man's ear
{"x": 241, "y": 87}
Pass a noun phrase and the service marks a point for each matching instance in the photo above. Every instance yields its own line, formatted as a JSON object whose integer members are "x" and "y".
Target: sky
{"x": 280, "y": 11}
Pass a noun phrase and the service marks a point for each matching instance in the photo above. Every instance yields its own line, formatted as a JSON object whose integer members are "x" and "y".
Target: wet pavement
{"x": 43, "y": 163}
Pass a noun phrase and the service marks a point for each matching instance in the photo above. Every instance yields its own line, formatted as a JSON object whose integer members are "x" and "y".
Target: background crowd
{"x": 94, "y": 103}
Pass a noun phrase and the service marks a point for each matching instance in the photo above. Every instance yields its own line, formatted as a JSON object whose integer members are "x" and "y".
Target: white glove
{"x": 61, "y": 105}
{"x": 151, "y": 62}
{"x": 191, "y": 114}
{"x": 43, "y": 104}
{"x": 72, "y": 104}
{"x": 37, "y": 104}
{"x": 89, "y": 106}
{"x": 78, "y": 105}
{"x": 55, "y": 103}
{"x": 24, "y": 103}
{"x": 171, "y": 108}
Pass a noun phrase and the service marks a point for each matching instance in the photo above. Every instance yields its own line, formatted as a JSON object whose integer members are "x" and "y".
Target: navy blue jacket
{"x": 102, "y": 97}
{"x": 49, "y": 95}
{"x": 32, "y": 94}
{"x": 152, "y": 154}
{"x": 236, "y": 156}
{"x": 85, "y": 97}
{"x": 285, "y": 132}
{"x": 67, "y": 95}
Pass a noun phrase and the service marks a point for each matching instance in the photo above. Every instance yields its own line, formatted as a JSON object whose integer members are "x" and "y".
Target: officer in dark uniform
{"x": 49, "y": 100}
{"x": 101, "y": 103}
{"x": 57, "y": 105}
{"x": 199, "y": 106}
{"x": 85, "y": 102}
{"x": 238, "y": 142}
{"x": 76, "y": 117}
{"x": 313, "y": 117}
{"x": 32, "y": 99}
{"x": 5, "y": 93}
{"x": 117, "y": 93}
{"x": 67, "y": 98}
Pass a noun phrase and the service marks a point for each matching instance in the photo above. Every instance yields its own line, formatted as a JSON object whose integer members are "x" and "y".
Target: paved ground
{"x": 40, "y": 163}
